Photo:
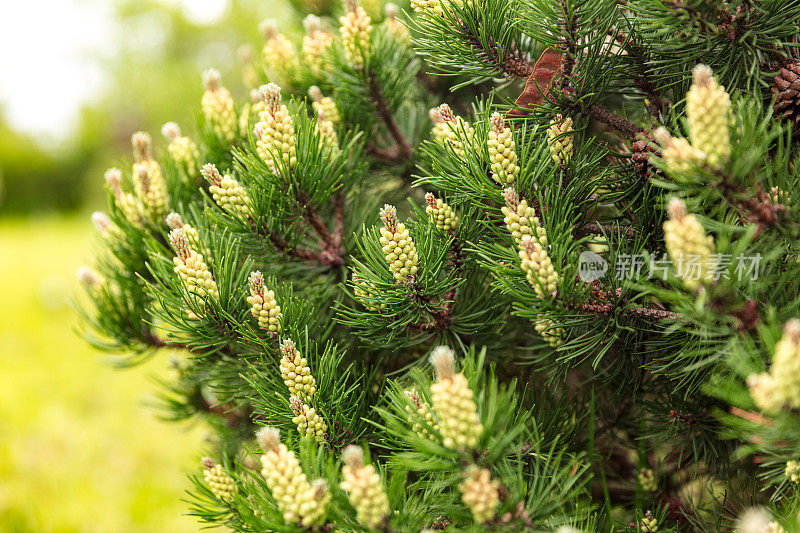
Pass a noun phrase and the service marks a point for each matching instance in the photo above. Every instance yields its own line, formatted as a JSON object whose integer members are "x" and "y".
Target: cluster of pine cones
{"x": 786, "y": 89}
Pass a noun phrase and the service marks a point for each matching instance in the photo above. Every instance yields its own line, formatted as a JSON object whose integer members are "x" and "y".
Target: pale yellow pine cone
{"x": 296, "y": 373}
{"x": 764, "y": 392}
{"x": 648, "y": 523}
{"x": 364, "y": 488}
{"x": 309, "y": 423}
{"x": 561, "y": 135}
{"x": 439, "y": 129}
{"x": 130, "y": 206}
{"x": 458, "y": 133}
{"x": 677, "y": 153}
{"x": 690, "y": 250}
{"x": 275, "y": 131}
{"x": 430, "y": 8}
{"x": 175, "y": 221}
{"x": 192, "y": 269}
{"x": 480, "y": 493}
{"x": 315, "y": 45}
{"x": 393, "y": 24}
{"x": 538, "y": 267}
{"x": 708, "y": 113}
{"x": 792, "y": 471}
{"x": 324, "y": 105}
{"x": 427, "y": 7}
{"x": 327, "y": 134}
{"x": 263, "y": 306}
{"x": 647, "y": 480}
{"x": 398, "y": 247}
{"x": 419, "y": 414}
{"x": 148, "y": 180}
{"x": 356, "y": 33}
{"x": 226, "y": 191}
{"x": 280, "y": 57}
{"x": 554, "y": 336}
{"x": 441, "y": 214}
{"x": 299, "y": 501}
{"x": 218, "y": 107}
{"x": 785, "y": 368}
{"x": 182, "y": 149}
{"x": 366, "y": 293}
{"x": 454, "y": 404}
{"x": 521, "y": 219}
{"x": 502, "y": 152}
{"x": 221, "y": 484}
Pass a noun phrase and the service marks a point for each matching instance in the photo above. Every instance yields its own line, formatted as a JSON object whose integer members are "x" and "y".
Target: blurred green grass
{"x": 79, "y": 450}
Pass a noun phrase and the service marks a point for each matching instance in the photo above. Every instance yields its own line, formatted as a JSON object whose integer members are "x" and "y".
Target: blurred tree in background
{"x": 152, "y": 70}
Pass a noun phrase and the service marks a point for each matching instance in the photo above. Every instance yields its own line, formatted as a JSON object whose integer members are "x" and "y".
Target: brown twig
{"x": 594, "y": 228}
{"x": 615, "y": 121}
{"x": 404, "y": 147}
{"x": 338, "y": 218}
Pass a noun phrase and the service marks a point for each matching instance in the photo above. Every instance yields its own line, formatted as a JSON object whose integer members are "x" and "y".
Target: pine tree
{"x": 510, "y": 265}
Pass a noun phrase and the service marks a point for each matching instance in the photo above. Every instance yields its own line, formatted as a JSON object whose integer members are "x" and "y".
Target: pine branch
{"x": 512, "y": 63}
{"x": 658, "y": 104}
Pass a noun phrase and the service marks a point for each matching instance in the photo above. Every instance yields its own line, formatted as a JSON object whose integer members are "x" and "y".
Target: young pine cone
{"x": 226, "y": 191}
{"x": 218, "y": 107}
{"x": 787, "y": 94}
{"x": 356, "y": 32}
{"x": 676, "y": 152}
{"x": 366, "y": 293}
{"x": 315, "y": 42}
{"x": 453, "y": 403}
{"x": 182, "y": 149}
{"x": 148, "y": 180}
{"x": 708, "y": 112}
{"x": 296, "y": 373}
{"x": 441, "y": 214}
{"x": 689, "y": 248}
{"x": 275, "y": 132}
{"x": 521, "y": 219}
{"x": 480, "y": 493}
{"x": 398, "y": 247}
{"x": 263, "y": 306}
{"x": 554, "y": 336}
{"x": 560, "y": 135}
{"x": 298, "y": 500}
{"x": 538, "y": 267}
{"x": 220, "y": 483}
{"x": 459, "y": 134}
{"x": 130, "y": 206}
{"x": 309, "y": 423}
{"x": 422, "y": 414}
{"x": 192, "y": 269}
{"x": 502, "y": 152}
{"x": 175, "y": 221}
{"x": 786, "y": 365}
{"x": 364, "y": 488}
{"x": 324, "y": 105}
{"x": 279, "y": 54}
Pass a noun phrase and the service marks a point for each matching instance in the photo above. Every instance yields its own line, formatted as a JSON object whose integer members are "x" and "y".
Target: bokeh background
{"x": 81, "y": 448}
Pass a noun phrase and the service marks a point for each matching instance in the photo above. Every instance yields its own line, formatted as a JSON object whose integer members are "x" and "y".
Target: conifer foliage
{"x": 478, "y": 265}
